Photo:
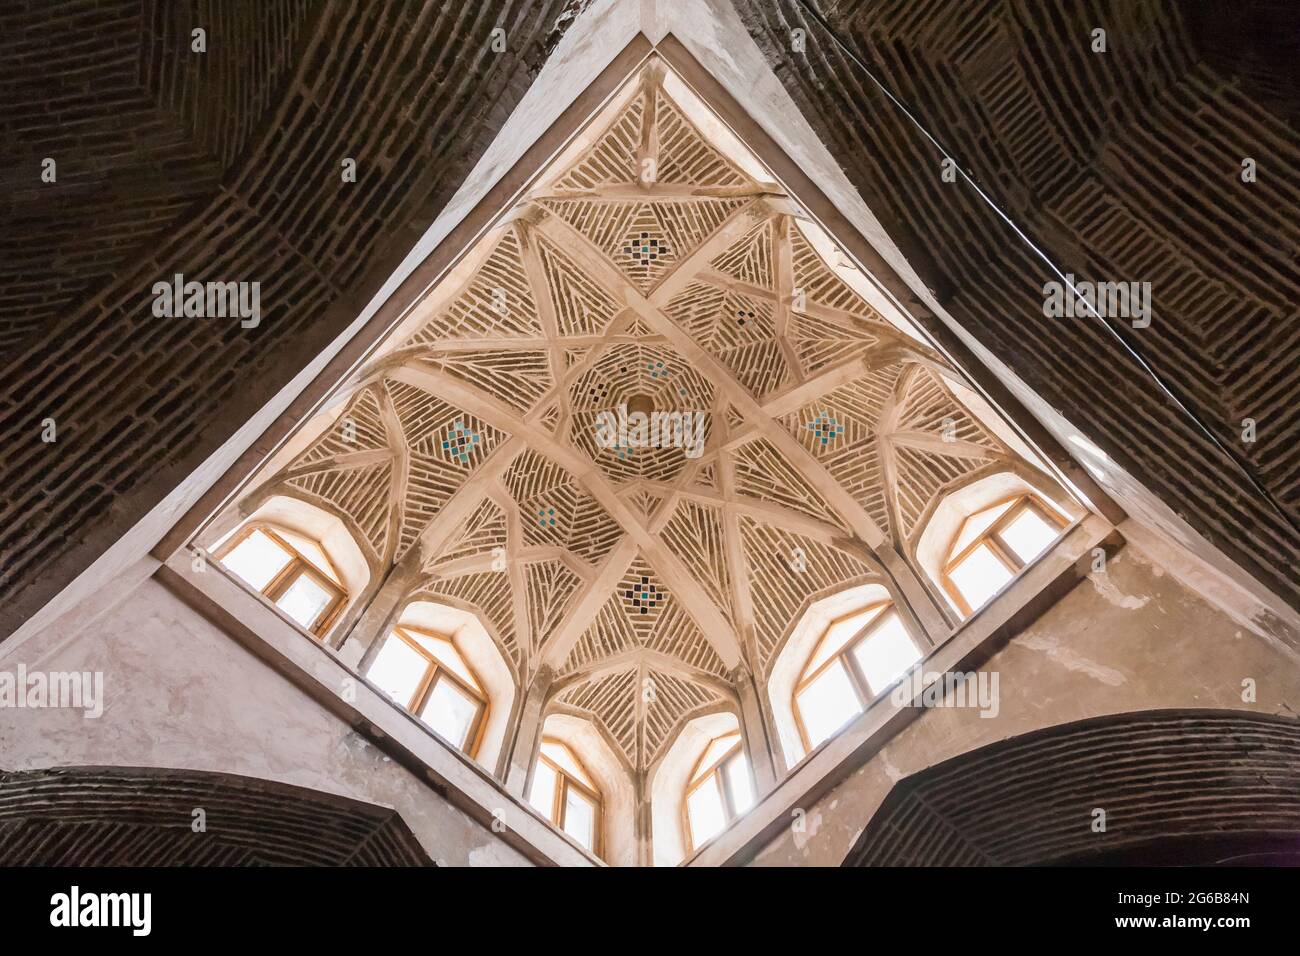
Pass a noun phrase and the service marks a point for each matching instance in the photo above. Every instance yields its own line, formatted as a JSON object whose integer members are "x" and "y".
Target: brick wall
{"x": 223, "y": 165}
{"x": 1120, "y": 166}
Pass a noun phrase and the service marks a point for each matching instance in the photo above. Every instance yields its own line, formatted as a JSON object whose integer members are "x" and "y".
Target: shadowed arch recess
{"x": 140, "y": 816}
{"x": 1178, "y": 787}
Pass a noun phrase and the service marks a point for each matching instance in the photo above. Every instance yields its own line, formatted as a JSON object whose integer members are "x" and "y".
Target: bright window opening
{"x": 857, "y": 658}
{"x": 721, "y": 789}
{"x": 993, "y": 546}
{"x": 563, "y": 791}
{"x": 425, "y": 673}
{"x": 1029, "y": 535}
{"x": 451, "y": 712}
{"x": 300, "y": 587}
{"x": 257, "y": 559}
{"x": 886, "y": 654}
{"x": 979, "y": 576}
{"x": 305, "y": 600}
{"x": 827, "y": 703}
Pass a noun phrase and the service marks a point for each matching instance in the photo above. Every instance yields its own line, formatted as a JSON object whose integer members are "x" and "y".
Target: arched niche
{"x": 1170, "y": 783}
{"x": 798, "y": 647}
{"x": 611, "y": 776}
{"x": 480, "y": 652}
{"x": 949, "y": 514}
{"x": 318, "y": 535}
{"x": 671, "y": 778}
{"x": 143, "y": 816}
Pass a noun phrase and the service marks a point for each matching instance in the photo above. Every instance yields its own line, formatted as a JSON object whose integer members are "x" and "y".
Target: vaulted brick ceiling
{"x": 146, "y": 816}
{"x": 1122, "y": 166}
{"x": 225, "y": 164}
{"x": 1179, "y": 787}
{"x": 818, "y": 437}
{"x": 1119, "y": 166}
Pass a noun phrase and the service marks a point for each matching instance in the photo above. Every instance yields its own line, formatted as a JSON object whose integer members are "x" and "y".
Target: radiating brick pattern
{"x": 1030, "y": 800}
{"x": 139, "y": 126}
{"x": 865, "y": 443}
{"x": 146, "y": 817}
{"x": 224, "y": 165}
{"x": 1121, "y": 166}
{"x": 640, "y": 709}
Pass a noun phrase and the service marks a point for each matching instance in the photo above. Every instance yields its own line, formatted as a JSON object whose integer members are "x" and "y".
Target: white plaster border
{"x": 323, "y": 675}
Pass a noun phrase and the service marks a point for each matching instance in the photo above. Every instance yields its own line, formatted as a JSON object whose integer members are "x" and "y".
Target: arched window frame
{"x": 716, "y": 774}
{"x": 990, "y": 536}
{"x": 564, "y": 780}
{"x": 847, "y": 659}
{"x": 297, "y": 566}
{"x": 435, "y": 671}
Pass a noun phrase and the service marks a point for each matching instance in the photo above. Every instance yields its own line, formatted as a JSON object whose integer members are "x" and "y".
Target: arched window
{"x": 993, "y": 545}
{"x": 293, "y": 571}
{"x": 425, "y": 672}
{"x": 566, "y": 794}
{"x": 721, "y": 788}
{"x": 857, "y": 657}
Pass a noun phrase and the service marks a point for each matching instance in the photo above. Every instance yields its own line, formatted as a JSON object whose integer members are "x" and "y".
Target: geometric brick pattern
{"x": 1121, "y": 166}
{"x": 142, "y": 816}
{"x": 640, "y": 708}
{"x": 218, "y": 165}
{"x": 1165, "y": 776}
{"x": 515, "y": 340}
{"x": 139, "y": 126}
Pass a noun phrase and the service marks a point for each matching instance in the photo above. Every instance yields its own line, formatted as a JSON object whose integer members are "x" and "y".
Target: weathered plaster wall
{"x": 179, "y": 693}
{"x": 1136, "y": 639}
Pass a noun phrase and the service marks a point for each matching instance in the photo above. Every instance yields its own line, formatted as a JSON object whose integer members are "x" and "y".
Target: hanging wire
{"x": 1231, "y": 454}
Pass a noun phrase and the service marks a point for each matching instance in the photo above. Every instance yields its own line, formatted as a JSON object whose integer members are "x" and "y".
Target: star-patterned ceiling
{"x": 644, "y": 577}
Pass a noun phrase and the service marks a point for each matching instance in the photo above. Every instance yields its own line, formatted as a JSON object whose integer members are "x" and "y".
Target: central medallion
{"x": 640, "y": 403}
{"x": 645, "y": 249}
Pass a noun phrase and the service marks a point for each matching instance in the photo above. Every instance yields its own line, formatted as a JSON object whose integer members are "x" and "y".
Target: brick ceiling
{"x": 640, "y": 561}
{"x": 1119, "y": 166}
{"x": 145, "y": 816}
{"x": 1227, "y": 787}
{"x": 221, "y": 165}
